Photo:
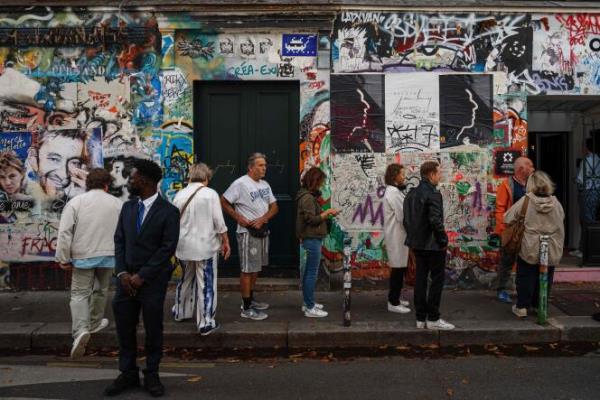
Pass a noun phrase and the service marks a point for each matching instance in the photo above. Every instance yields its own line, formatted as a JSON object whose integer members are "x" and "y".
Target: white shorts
{"x": 253, "y": 252}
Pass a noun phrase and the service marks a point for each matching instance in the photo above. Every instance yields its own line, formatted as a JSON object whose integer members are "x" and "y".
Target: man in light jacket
{"x": 202, "y": 233}
{"x": 85, "y": 246}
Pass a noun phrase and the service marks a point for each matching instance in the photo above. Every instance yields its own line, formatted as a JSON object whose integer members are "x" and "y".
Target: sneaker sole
{"x": 315, "y": 316}
{"x": 440, "y": 329}
{"x": 216, "y": 328}
{"x": 78, "y": 349}
{"x": 254, "y": 318}
{"x": 259, "y": 309}
{"x": 399, "y": 312}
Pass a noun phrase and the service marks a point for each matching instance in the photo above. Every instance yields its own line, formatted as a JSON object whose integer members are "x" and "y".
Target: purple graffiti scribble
{"x": 361, "y": 212}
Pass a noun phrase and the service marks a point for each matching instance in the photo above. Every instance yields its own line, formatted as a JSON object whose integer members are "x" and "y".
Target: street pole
{"x": 347, "y": 278}
{"x": 543, "y": 296}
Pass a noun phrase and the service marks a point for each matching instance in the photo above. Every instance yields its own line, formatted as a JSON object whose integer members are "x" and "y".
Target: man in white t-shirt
{"x": 250, "y": 202}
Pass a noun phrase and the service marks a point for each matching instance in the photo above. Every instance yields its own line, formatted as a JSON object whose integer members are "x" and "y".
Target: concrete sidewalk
{"x": 40, "y": 322}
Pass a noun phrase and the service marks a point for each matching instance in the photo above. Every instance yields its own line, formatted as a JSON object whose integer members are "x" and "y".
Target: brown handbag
{"x": 512, "y": 236}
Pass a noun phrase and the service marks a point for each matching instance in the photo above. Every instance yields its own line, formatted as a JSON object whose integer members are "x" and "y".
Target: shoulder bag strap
{"x": 524, "y": 207}
{"x": 187, "y": 203}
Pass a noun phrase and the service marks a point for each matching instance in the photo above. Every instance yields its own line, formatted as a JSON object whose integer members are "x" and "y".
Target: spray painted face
{"x": 58, "y": 158}
{"x": 11, "y": 180}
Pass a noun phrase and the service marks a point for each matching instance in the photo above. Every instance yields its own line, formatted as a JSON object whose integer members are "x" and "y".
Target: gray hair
{"x": 255, "y": 156}
{"x": 540, "y": 183}
{"x": 200, "y": 172}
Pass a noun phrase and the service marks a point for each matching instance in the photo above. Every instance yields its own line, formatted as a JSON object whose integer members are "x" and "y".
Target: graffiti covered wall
{"x": 80, "y": 89}
{"x": 455, "y": 90}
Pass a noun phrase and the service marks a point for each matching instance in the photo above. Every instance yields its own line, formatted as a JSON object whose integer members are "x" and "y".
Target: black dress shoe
{"x": 126, "y": 380}
{"x": 152, "y": 384}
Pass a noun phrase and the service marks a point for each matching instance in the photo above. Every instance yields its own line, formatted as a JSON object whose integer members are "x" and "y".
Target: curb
{"x": 312, "y": 335}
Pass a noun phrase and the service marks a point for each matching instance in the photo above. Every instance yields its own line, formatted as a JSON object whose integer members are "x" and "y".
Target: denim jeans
{"x": 311, "y": 270}
{"x": 589, "y": 201}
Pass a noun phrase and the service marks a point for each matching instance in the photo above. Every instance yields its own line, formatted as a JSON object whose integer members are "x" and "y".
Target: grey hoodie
{"x": 545, "y": 216}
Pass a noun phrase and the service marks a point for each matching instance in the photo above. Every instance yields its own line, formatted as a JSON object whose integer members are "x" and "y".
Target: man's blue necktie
{"x": 140, "y": 216}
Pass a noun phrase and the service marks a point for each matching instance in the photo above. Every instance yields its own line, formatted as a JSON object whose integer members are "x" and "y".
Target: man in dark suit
{"x": 145, "y": 240}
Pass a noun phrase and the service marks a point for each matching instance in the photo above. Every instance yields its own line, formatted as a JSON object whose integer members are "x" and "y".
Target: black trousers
{"x": 396, "y": 283}
{"x": 149, "y": 300}
{"x": 427, "y": 302}
{"x": 528, "y": 283}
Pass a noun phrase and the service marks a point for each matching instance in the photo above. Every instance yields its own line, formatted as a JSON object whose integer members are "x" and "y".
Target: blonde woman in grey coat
{"x": 395, "y": 235}
{"x": 544, "y": 216}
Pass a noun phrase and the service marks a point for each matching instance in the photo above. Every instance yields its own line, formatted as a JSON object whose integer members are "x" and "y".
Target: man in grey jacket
{"x": 86, "y": 247}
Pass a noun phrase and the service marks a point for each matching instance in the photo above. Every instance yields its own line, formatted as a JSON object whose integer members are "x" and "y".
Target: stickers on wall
{"x": 299, "y": 45}
{"x": 504, "y": 160}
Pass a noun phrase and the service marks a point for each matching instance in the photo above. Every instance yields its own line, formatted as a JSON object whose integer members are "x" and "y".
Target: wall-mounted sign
{"x": 69, "y": 36}
{"x": 504, "y": 160}
{"x": 299, "y": 45}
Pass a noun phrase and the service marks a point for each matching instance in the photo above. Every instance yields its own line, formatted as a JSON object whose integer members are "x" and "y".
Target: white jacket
{"x": 395, "y": 234}
{"x": 87, "y": 226}
{"x": 201, "y": 223}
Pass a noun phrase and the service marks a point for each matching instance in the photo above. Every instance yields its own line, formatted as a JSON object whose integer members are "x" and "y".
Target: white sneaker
{"x": 315, "y": 313}
{"x": 421, "y": 325}
{"x": 576, "y": 253}
{"x": 440, "y": 324}
{"x": 81, "y": 340}
{"x": 398, "y": 309}
{"x": 404, "y": 303}
{"x": 317, "y": 305}
{"x": 103, "y": 324}
{"x": 519, "y": 312}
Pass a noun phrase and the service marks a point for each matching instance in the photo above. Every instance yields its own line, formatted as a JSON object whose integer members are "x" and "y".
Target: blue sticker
{"x": 299, "y": 45}
{"x": 17, "y": 142}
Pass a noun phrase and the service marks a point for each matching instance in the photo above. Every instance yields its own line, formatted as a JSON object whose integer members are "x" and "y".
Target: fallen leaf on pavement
{"x": 531, "y": 348}
{"x": 465, "y": 381}
{"x": 195, "y": 379}
{"x": 450, "y": 392}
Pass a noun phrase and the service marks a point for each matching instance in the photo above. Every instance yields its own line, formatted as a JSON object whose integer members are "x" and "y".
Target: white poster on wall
{"x": 412, "y": 112}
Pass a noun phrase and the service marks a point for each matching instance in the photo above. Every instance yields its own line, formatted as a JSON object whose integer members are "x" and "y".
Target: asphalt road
{"x": 475, "y": 377}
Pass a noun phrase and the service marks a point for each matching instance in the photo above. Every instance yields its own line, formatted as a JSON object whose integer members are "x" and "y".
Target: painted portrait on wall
{"x": 358, "y": 113}
{"x": 465, "y": 110}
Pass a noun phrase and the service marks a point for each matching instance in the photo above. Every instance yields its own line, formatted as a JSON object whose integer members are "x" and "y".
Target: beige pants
{"x": 88, "y": 297}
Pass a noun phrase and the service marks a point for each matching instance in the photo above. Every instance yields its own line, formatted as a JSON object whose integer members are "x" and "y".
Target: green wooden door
{"x": 235, "y": 119}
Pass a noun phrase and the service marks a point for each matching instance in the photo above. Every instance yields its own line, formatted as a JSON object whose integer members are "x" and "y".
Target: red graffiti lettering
{"x": 316, "y": 85}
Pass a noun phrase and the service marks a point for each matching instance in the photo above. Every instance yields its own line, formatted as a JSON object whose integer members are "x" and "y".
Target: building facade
{"x": 347, "y": 90}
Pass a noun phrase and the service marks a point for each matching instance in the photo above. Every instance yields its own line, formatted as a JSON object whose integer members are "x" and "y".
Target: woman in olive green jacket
{"x": 311, "y": 228}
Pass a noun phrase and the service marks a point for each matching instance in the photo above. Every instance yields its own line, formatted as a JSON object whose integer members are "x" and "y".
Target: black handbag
{"x": 262, "y": 232}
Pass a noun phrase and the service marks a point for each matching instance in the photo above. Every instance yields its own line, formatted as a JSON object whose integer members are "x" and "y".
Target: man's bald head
{"x": 523, "y": 168}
